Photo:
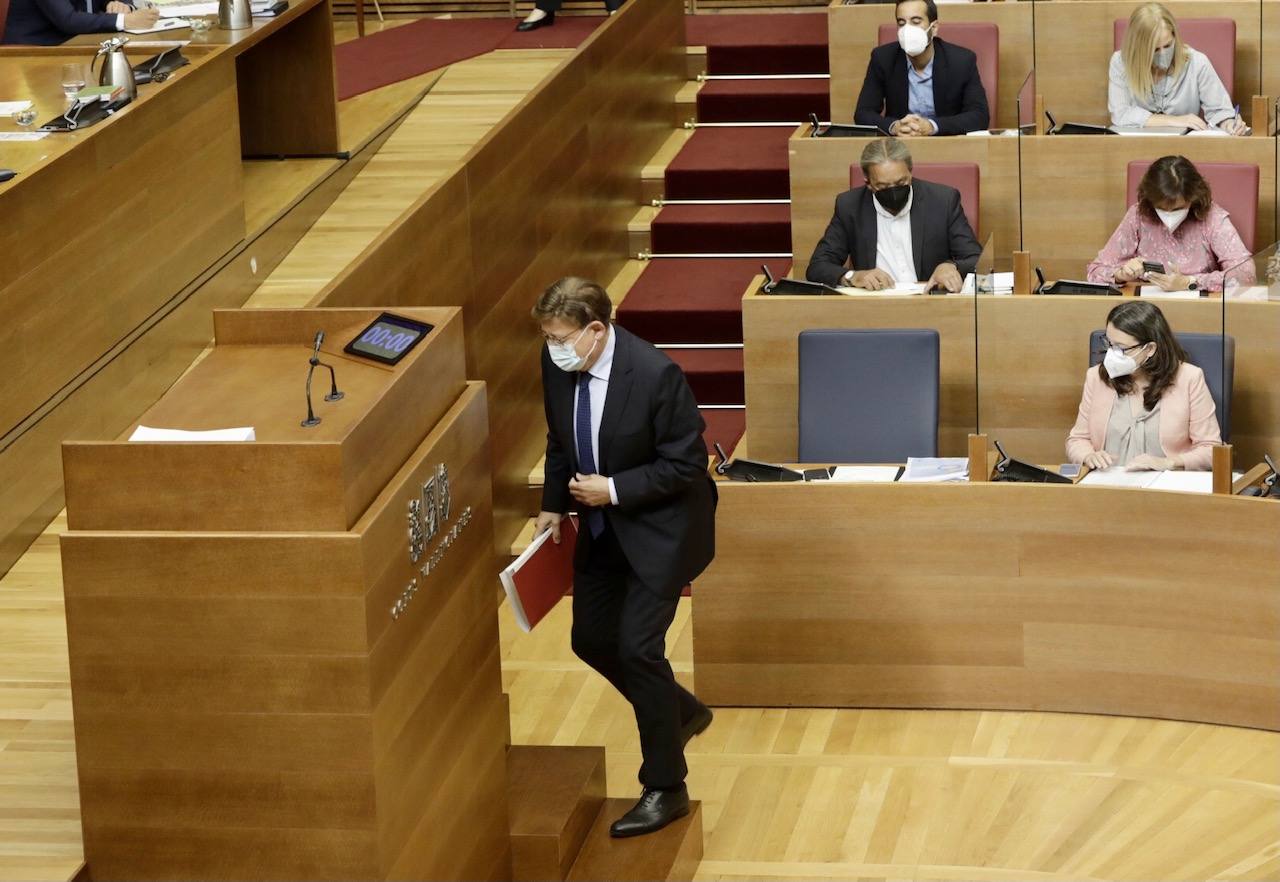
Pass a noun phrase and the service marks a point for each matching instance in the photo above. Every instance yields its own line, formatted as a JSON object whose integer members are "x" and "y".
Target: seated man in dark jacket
{"x": 51, "y": 22}
{"x": 922, "y": 85}
{"x": 895, "y": 230}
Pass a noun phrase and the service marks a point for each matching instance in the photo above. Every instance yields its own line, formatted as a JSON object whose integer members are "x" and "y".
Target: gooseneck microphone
{"x": 334, "y": 394}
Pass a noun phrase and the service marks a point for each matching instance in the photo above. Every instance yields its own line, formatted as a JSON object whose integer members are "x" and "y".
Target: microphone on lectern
{"x": 314, "y": 362}
{"x": 315, "y": 351}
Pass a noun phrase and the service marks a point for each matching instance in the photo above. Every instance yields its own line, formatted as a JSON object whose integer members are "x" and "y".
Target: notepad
{"x": 164, "y": 24}
{"x": 904, "y": 288}
{"x": 149, "y": 434}
{"x": 1184, "y": 482}
{"x": 865, "y": 474}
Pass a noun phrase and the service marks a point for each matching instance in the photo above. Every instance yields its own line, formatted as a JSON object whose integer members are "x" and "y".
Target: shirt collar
{"x": 921, "y": 76}
{"x": 906, "y": 209}
{"x": 604, "y": 364}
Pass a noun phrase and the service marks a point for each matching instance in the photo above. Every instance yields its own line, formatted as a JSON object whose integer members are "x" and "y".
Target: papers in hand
{"x": 146, "y": 433}
{"x": 865, "y": 474}
{"x": 1117, "y": 476}
{"x": 537, "y": 579}
{"x": 935, "y": 470}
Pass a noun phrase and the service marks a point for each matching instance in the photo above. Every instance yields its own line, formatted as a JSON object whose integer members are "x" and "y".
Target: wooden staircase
{"x": 560, "y": 821}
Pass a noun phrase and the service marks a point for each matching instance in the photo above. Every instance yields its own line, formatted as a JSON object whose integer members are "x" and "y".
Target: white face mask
{"x": 1173, "y": 219}
{"x": 1163, "y": 58}
{"x": 913, "y": 39}
{"x": 566, "y": 357}
{"x": 1118, "y": 364}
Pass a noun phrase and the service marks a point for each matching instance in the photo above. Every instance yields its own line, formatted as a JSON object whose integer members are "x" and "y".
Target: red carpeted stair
{"x": 724, "y": 426}
{"x": 715, "y": 375}
{"x": 730, "y": 229}
{"x": 747, "y": 163}
{"x": 745, "y": 44}
{"x": 693, "y": 300}
{"x": 763, "y": 100}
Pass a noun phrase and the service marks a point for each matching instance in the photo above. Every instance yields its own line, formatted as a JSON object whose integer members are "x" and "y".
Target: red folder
{"x": 537, "y": 579}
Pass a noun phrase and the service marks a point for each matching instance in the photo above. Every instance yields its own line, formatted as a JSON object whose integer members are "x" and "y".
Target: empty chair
{"x": 964, "y": 176}
{"x": 1215, "y": 354}
{"x": 1234, "y": 185}
{"x": 1215, "y": 37}
{"x": 868, "y": 395}
{"x": 982, "y": 38}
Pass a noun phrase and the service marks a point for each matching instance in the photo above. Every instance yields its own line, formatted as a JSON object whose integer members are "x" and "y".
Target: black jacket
{"x": 651, "y": 445}
{"x": 939, "y": 233}
{"x": 51, "y": 22}
{"x": 959, "y": 101}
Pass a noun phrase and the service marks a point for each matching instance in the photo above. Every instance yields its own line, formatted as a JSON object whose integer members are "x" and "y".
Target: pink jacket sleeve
{"x": 1229, "y": 252}
{"x": 1121, "y": 247}
{"x": 1079, "y": 442}
{"x": 1202, "y": 426}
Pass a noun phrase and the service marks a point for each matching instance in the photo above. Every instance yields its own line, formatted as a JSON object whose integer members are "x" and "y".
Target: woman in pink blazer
{"x": 1145, "y": 406}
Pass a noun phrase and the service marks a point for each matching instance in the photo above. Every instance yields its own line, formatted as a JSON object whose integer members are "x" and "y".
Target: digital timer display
{"x": 388, "y": 339}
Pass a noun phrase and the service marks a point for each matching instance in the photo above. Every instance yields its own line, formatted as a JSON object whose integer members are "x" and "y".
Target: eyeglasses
{"x": 1107, "y": 344}
{"x": 571, "y": 337}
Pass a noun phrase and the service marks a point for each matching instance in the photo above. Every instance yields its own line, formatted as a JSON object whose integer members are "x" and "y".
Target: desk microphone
{"x": 314, "y": 362}
{"x": 1039, "y": 275}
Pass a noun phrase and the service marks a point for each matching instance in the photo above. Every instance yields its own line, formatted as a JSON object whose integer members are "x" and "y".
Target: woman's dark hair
{"x": 1144, "y": 322}
{"x": 1172, "y": 179}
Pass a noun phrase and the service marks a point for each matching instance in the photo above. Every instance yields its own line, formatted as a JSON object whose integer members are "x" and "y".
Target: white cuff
{"x": 934, "y": 123}
{"x": 119, "y": 21}
{"x": 613, "y": 493}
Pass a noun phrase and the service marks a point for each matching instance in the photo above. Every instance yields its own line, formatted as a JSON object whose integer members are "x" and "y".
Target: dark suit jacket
{"x": 51, "y": 22}
{"x": 651, "y": 445}
{"x": 959, "y": 101}
{"x": 939, "y": 233}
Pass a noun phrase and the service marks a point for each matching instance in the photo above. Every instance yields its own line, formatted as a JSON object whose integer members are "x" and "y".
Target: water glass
{"x": 72, "y": 80}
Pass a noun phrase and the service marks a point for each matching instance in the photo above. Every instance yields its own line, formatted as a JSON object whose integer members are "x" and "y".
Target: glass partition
{"x": 1251, "y": 357}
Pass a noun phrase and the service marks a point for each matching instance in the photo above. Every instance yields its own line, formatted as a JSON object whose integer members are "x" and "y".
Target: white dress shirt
{"x": 893, "y": 242}
{"x": 598, "y": 377}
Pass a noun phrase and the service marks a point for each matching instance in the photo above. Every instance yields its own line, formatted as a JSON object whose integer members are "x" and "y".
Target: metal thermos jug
{"x": 116, "y": 71}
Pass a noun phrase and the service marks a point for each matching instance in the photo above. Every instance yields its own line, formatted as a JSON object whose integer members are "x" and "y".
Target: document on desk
{"x": 150, "y": 434}
{"x": 896, "y": 290}
{"x": 935, "y": 470}
{"x": 865, "y": 474}
{"x": 995, "y": 283}
{"x": 1158, "y": 293}
{"x": 23, "y": 136}
{"x": 1118, "y": 476}
{"x": 188, "y": 10}
{"x": 9, "y": 108}
{"x": 164, "y": 24}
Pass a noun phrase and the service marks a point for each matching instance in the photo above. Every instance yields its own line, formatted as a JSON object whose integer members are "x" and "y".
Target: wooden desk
{"x": 992, "y": 596}
{"x": 820, "y": 172}
{"x": 1032, "y": 354}
{"x": 1075, "y": 43}
{"x": 853, "y": 31}
{"x": 1271, "y": 39}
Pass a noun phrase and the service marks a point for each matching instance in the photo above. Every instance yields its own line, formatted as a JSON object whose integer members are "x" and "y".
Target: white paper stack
{"x": 1157, "y": 292}
{"x": 935, "y": 470}
{"x": 1118, "y": 476}
{"x": 9, "y": 108}
{"x": 148, "y": 434}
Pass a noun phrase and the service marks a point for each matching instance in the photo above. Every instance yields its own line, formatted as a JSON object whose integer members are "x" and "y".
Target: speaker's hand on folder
{"x": 548, "y": 520}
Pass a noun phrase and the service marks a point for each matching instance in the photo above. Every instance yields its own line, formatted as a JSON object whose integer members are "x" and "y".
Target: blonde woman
{"x": 1158, "y": 80}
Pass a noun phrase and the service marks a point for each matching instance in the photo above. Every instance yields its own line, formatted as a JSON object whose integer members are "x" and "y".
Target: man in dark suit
{"x": 625, "y": 449}
{"x": 922, "y": 85}
{"x": 52, "y": 22}
{"x": 895, "y": 230}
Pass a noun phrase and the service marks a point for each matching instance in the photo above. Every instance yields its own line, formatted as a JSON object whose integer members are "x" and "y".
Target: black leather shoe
{"x": 545, "y": 22}
{"x": 697, "y": 725}
{"x": 655, "y": 810}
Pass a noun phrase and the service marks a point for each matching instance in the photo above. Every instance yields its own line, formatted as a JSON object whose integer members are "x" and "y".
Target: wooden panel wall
{"x": 1068, "y": 215}
{"x": 1271, "y": 38}
{"x": 1076, "y": 43}
{"x": 820, "y": 171}
{"x": 290, "y": 727}
{"x": 853, "y": 31}
{"x": 1025, "y": 597}
{"x": 547, "y": 193}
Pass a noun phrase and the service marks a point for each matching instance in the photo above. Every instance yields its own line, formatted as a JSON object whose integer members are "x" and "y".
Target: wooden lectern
{"x": 284, "y": 653}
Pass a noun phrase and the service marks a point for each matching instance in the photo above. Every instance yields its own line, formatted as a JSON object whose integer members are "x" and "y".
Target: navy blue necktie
{"x": 586, "y": 456}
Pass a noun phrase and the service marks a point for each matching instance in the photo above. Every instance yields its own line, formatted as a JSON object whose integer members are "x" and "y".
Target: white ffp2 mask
{"x": 913, "y": 39}
{"x": 1118, "y": 364}
{"x": 1172, "y": 219}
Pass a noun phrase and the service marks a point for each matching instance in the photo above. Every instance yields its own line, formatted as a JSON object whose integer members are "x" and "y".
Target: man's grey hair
{"x": 884, "y": 150}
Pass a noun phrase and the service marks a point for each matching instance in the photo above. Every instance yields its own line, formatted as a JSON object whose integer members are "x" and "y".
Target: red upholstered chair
{"x": 1215, "y": 37}
{"x": 4, "y": 14}
{"x": 964, "y": 176}
{"x": 1235, "y": 188}
{"x": 982, "y": 38}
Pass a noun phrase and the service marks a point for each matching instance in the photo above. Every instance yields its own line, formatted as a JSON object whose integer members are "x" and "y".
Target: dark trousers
{"x": 554, "y": 5}
{"x": 620, "y": 629}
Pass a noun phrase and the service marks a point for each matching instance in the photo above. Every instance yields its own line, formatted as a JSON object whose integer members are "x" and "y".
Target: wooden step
{"x": 674, "y": 852}
{"x": 639, "y": 238}
{"x": 554, "y": 796}
{"x": 653, "y": 177}
{"x": 687, "y": 102}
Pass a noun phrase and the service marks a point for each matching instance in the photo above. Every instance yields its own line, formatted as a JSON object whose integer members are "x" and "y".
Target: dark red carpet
{"x": 748, "y": 163}
{"x": 763, "y": 100}
{"x": 695, "y": 300}
{"x": 409, "y": 50}
{"x": 715, "y": 375}
{"x": 722, "y": 229}
{"x": 742, "y": 44}
{"x": 725, "y": 426}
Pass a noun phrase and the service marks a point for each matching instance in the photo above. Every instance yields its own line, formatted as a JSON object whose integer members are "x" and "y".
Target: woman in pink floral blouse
{"x": 1176, "y": 223}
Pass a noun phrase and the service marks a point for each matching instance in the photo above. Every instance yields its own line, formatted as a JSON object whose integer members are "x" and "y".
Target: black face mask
{"x": 894, "y": 199}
